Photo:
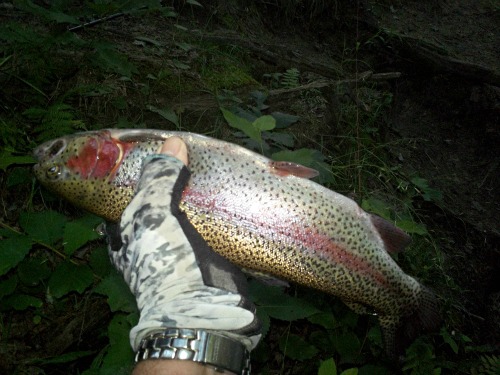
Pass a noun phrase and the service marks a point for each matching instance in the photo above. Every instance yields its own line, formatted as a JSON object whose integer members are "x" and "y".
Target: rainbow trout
{"x": 262, "y": 215}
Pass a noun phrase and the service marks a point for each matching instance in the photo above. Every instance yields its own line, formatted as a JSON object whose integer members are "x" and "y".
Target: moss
{"x": 227, "y": 77}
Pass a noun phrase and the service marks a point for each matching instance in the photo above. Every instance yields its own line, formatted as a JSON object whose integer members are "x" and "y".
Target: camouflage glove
{"x": 178, "y": 281}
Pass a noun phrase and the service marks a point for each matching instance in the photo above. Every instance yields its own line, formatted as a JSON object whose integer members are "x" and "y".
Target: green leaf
{"x": 449, "y": 340}
{"x": 46, "y": 226}
{"x": 327, "y": 367}
{"x": 78, "y": 232}
{"x": 274, "y": 302}
{"x": 12, "y": 251}
{"x": 22, "y": 302}
{"x": 409, "y": 226}
{"x": 119, "y": 296}
{"x": 8, "y": 286}
{"x": 264, "y": 123}
{"x": 154, "y": 42}
{"x": 99, "y": 262}
{"x": 283, "y": 139}
{"x": 297, "y": 348}
{"x": 304, "y": 156}
{"x": 166, "y": 113}
{"x": 51, "y": 15}
{"x": 112, "y": 61}
{"x": 284, "y": 120}
{"x": 180, "y": 65}
{"x": 326, "y": 320}
{"x": 347, "y": 345}
{"x": 7, "y": 158}
{"x": 69, "y": 277}
{"x": 259, "y": 97}
{"x": 33, "y": 270}
{"x": 375, "y": 336}
{"x": 184, "y": 46}
{"x": 242, "y": 124}
{"x": 194, "y": 2}
{"x": 377, "y": 207}
{"x": 119, "y": 357}
{"x": 427, "y": 192}
{"x": 265, "y": 320}
{"x": 350, "y": 371}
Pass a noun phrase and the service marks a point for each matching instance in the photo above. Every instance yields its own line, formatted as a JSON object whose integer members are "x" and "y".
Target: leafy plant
{"x": 54, "y": 121}
{"x": 490, "y": 365}
{"x": 40, "y": 270}
{"x": 288, "y": 79}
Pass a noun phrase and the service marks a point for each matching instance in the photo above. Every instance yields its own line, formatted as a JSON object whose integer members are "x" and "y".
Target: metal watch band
{"x": 198, "y": 346}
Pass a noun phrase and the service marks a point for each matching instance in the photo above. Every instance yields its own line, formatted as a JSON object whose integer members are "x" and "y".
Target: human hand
{"x": 178, "y": 281}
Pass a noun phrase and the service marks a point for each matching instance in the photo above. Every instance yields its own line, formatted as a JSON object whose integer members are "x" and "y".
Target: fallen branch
{"x": 362, "y": 77}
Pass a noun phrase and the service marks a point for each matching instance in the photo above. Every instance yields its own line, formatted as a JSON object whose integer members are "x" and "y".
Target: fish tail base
{"x": 400, "y": 332}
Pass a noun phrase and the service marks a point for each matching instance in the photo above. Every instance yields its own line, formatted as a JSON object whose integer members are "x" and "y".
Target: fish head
{"x": 81, "y": 168}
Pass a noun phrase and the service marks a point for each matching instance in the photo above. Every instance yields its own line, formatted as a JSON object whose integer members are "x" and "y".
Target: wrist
{"x": 218, "y": 352}
{"x": 176, "y": 367}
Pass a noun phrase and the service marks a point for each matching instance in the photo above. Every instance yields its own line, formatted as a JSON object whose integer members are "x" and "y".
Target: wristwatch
{"x": 196, "y": 345}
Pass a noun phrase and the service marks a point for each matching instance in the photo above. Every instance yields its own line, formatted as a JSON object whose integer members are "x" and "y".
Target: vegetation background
{"x": 395, "y": 103}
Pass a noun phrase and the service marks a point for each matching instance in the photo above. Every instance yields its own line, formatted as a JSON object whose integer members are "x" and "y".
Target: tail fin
{"x": 399, "y": 332}
{"x": 426, "y": 317}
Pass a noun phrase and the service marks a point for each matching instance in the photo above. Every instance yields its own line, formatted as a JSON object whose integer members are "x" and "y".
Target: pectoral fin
{"x": 265, "y": 278}
{"x": 285, "y": 168}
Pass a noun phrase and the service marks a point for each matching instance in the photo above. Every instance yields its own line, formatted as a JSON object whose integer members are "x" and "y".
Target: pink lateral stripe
{"x": 268, "y": 221}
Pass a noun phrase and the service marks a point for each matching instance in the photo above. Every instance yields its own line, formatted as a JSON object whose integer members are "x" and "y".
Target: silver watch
{"x": 196, "y": 345}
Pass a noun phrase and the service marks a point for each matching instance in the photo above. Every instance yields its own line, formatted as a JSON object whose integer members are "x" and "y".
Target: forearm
{"x": 174, "y": 367}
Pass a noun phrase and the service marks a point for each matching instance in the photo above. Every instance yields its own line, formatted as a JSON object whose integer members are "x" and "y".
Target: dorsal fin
{"x": 141, "y": 137}
{"x": 395, "y": 240}
{"x": 285, "y": 168}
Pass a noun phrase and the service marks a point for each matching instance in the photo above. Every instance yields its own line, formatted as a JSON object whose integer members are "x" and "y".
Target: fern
{"x": 54, "y": 121}
{"x": 290, "y": 78}
{"x": 490, "y": 365}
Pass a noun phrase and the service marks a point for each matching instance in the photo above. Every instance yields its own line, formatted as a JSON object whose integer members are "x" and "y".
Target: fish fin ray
{"x": 285, "y": 168}
{"x": 399, "y": 332}
{"x": 426, "y": 317}
{"x": 265, "y": 278}
{"x": 389, "y": 326}
{"x": 395, "y": 239}
{"x": 141, "y": 137}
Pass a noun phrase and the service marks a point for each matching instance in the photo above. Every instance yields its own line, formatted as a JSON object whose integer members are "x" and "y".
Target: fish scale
{"x": 255, "y": 212}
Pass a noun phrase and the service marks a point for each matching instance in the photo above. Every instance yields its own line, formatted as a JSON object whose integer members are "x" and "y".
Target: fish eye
{"x": 53, "y": 172}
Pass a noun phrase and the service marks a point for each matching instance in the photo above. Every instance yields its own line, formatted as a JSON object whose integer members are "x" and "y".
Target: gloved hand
{"x": 178, "y": 281}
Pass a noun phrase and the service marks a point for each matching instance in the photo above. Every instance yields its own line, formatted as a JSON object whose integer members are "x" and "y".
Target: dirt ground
{"x": 452, "y": 111}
